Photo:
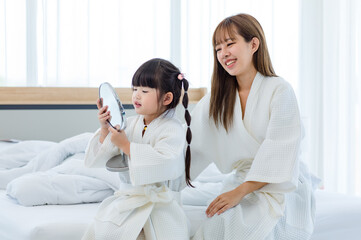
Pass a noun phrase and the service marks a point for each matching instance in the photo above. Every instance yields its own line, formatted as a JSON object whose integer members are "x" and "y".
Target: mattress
{"x": 337, "y": 217}
{"x": 56, "y": 222}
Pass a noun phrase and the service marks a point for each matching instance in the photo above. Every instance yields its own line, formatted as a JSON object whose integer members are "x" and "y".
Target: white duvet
{"x": 41, "y": 172}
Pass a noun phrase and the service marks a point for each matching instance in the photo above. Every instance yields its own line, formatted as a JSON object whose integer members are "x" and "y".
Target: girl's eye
{"x": 229, "y": 44}
{"x": 144, "y": 91}
{"x": 218, "y": 49}
{"x": 134, "y": 89}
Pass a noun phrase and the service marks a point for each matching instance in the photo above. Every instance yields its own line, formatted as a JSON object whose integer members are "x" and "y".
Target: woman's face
{"x": 235, "y": 55}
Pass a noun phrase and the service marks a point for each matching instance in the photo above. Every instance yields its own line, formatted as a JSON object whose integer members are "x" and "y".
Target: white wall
{"x": 53, "y": 125}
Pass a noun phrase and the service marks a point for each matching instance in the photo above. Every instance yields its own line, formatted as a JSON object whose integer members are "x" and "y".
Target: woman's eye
{"x": 144, "y": 91}
{"x": 229, "y": 44}
{"x": 218, "y": 49}
{"x": 134, "y": 89}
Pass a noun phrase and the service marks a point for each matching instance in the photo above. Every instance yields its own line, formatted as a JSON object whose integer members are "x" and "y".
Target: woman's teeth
{"x": 230, "y": 62}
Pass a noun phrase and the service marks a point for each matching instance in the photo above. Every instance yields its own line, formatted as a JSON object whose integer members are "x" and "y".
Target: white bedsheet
{"x": 55, "y": 222}
{"x": 338, "y": 217}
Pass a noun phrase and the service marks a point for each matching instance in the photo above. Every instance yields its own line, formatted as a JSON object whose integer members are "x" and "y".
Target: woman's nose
{"x": 224, "y": 53}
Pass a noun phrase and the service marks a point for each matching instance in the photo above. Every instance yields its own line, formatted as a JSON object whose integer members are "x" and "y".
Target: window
{"x": 84, "y": 43}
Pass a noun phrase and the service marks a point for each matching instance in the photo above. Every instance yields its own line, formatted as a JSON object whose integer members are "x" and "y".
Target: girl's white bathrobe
{"x": 148, "y": 206}
{"x": 263, "y": 147}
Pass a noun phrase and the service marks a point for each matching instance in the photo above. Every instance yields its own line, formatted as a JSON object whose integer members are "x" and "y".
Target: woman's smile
{"x": 230, "y": 63}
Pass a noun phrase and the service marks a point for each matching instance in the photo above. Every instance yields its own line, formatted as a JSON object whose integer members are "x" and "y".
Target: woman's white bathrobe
{"x": 263, "y": 147}
{"x": 149, "y": 206}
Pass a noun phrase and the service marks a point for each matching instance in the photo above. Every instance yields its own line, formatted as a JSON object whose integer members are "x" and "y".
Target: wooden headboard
{"x": 67, "y": 95}
{"x": 54, "y": 114}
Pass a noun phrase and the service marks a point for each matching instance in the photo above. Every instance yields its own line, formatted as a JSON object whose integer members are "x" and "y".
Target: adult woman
{"x": 250, "y": 123}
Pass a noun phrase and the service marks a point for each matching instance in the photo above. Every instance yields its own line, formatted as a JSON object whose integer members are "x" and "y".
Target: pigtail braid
{"x": 187, "y": 117}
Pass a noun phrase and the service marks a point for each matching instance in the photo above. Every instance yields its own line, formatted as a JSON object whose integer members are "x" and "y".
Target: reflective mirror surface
{"x": 111, "y": 99}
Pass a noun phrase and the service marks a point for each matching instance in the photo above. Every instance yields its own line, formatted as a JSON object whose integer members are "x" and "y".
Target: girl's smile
{"x": 137, "y": 104}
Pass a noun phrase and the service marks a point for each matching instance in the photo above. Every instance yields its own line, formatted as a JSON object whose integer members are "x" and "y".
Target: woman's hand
{"x": 224, "y": 202}
{"x": 119, "y": 139}
{"x": 230, "y": 199}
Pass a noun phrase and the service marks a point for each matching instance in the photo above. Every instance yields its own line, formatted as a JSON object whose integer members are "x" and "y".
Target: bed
{"x": 338, "y": 216}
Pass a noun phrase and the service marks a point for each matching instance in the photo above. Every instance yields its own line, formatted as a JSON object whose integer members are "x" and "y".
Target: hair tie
{"x": 180, "y": 76}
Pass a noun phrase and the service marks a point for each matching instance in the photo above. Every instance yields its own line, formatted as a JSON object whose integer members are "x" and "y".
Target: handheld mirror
{"x": 118, "y": 163}
{"x": 111, "y": 99}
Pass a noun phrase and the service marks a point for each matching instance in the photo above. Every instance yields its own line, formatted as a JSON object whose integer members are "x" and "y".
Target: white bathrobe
{"x": 263, "y": 147}
{"x": 148, "y": 206}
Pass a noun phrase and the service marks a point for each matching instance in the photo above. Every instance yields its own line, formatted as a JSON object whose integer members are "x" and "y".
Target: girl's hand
{"x": 103, "y": 115}
{"x": 119, "y": 139}
{"x": 224, "y": 202}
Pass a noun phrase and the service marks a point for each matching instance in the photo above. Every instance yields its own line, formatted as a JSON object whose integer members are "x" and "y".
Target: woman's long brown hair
{"x": 224, "y": 86}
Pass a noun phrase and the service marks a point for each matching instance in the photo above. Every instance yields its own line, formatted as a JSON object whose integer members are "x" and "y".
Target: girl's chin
{"x": 137, "y": 110}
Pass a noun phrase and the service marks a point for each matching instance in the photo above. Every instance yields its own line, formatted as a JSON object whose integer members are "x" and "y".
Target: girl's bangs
{"x": 143, "y": 79}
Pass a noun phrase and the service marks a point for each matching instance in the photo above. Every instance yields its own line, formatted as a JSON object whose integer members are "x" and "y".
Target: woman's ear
{"x": 167, "y": 98}
{"x": 255, "y": 44}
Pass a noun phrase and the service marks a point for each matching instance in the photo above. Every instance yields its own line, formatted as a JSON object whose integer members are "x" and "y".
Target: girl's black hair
{"x": 163, "y": 75}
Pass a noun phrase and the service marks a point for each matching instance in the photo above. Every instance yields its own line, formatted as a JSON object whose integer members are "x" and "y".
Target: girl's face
{"x": 235, "y": 55}
{"x": 145, "y": 101}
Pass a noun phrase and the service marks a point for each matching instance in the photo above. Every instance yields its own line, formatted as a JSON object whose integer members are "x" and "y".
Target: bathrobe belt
{"x": 135, "y": 202}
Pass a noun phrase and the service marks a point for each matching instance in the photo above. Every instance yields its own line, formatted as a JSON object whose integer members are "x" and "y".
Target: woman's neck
{"x": 245, "y": 81}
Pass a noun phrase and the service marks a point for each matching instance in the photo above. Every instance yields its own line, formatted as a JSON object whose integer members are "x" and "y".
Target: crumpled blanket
{"x": 54, "y": 173}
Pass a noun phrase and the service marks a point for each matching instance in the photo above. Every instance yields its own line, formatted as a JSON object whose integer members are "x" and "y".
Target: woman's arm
{"x": 230, "y": 199}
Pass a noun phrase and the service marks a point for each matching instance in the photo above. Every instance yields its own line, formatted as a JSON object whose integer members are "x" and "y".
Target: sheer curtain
{"x": 330, "y": 90}
{"x": 279, "y": 19}
{"x": 86, "y": 42}
{"x": 80, "y": 42}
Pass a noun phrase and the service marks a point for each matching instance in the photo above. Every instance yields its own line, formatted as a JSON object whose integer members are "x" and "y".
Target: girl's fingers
{"x": 103, "y": 110}
{"x": 101, "y": 115}
{"x": 104, "y": 119}
{"x": 104, "y": 114}
{"x": 112, "y": 130}
{"x": 99, "y": 103}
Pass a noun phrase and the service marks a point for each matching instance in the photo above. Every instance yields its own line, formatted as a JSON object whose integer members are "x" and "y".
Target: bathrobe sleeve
{"x": 97, "y": 154}
{"x": 276, "y": 161}
{"x": 160, "y": 160}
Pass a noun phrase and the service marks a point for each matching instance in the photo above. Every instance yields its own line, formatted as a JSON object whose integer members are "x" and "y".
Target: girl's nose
{"x": 137, "y": 95}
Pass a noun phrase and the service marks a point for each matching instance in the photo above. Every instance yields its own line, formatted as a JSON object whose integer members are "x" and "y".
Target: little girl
{"x": 149, "y": 206}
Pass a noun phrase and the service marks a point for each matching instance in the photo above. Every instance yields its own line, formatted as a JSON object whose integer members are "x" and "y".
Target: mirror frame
{"x": 119, "y": 103}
